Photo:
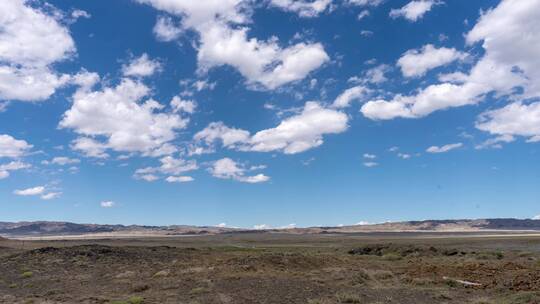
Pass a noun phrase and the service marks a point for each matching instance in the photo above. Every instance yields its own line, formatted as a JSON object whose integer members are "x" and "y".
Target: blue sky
{"x": 278, "y": 112}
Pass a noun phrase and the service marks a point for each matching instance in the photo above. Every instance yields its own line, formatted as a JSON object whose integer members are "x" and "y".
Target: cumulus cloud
{"x": 404, "y": 155}
{"x": 300, "y": 132}
{"x": 515, "y": 119}
{"x": 62, "y": 161}
{"x": 369, "y": 156}
{"x": 119, "y": 118}
{"x": 13, "y": 148}
{"x": 227, "y": 168}
{"x": 415, "y": 63}
{"x": 179, "y": 179}
{"x": 304, "y": 8}
{"x": 445, "y": 148}
{"x": 414, "y": 10}
{"x": 169, "y": 166}
{"x": 220, "y": 43}
{"x": 262, "y": 227}
{"x": 370, "y": 164}
{"x": 12, "y": 166}
{"x": 50, "y": 195}
{"x": 40, "y": 191}
{"x": 510, "y": 61}
{"x": 107, "y": 204}
{"x": 30, "y": 191}
{"x": 179, "y": 105}
{"x": 495, "y": 142}
{"x": 141, "y": 67}
{"x": 166, "y": 30}
{"x": 218, "y": 131}
{"x": 294, "y": 134}
{"x": 365, "y": 2}
{"x": 349, "y": 95}
{"x": 31, "y": 41}
{"x": 78, "y": 13}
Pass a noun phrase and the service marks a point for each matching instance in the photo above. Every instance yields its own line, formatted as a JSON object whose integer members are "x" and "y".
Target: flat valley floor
{"x": 373, "y": 268}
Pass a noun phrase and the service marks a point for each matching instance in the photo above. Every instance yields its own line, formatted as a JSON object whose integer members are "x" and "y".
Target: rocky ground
{"x": 344, "y": 271}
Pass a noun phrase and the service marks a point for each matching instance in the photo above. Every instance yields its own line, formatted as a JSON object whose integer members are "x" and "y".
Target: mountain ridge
{"x": 48, "y": 228}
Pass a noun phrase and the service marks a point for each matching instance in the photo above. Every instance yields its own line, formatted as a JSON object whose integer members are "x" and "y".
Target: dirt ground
{"x": 273, "y": 268}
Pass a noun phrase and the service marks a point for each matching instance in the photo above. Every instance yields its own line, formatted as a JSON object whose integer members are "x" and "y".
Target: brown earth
{"x": 274, "y": 269}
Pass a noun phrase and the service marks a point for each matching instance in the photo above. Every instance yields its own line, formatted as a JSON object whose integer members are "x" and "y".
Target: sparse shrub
{"x": 525, "y": 254}
{"x": 135, "y": 300}
{"x": 27, "y": 274}
{"x": 319, "y": 301}
{"x": 13, "y": 285}
{"x": 360, "y": 277}
{"x": 382, "y": 274}
{"x": 523, "y": 298}
{"x": 348, "y": 298}
{"x": 392, "y": 257}
{"x": 198, "y": 290}
{"x": 451, "y": 283}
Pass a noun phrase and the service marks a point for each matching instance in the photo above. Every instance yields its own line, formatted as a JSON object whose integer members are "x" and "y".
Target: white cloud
{"x": 445, "y": 148}
{"x": 262, "y": 227}
{"x": 217, "y": 131}
{"x": 365, "y": 2}
{"x": 179, "y": 179}
{"x": 227, "y": 168}
{"x": 414, "y": 10}
{"x": 304, "y": 8}
{"x": 369, "y": 156}
{"x": 50, "y": 195}
{"x": 141, "y": 67}
{"x": 363, "y": 14}
{"x": 12, "y": 166}
{"x": 107, "y": 204}
{"x": 221, "y": 225}
{"x": 116, "y": 118}
{"x": 537, "y": 217}
{"x": 349, "y": 95}
{"x": 30, "y": 191}
{"x": 38, "y": 190}
{"x": 515, "y": 119}
{"x": 169, "y": 166}
{"x": 376, "y": 74}
{"x": 294, "y": 134}
{"x": 509, "y": 61}
{"x": 180, "y": 105}
{"x": 362, "y": 223}
{"x": 90, "y": 147}
{"x": 13, "y": 148}
{"x": 31, "y": 40}
{"x": 495, "y": 142}
{"x": 62, "y": 161}
{"x": 300, "y": 132}
{"x": 415, "y": 63}
{"x": 221, "y": 43}
{"x": 370, "y": 164}
{"x": 29, "y": 83}
{"x": 77, "y": 13}
{"x": 166, "y": 30}
{"x": 404, "y": 155}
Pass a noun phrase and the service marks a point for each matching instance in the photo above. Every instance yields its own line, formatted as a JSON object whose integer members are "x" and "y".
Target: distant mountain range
{"x": 44, "y": 228}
